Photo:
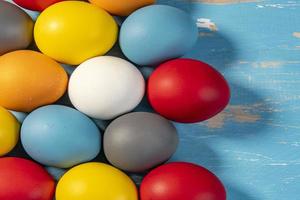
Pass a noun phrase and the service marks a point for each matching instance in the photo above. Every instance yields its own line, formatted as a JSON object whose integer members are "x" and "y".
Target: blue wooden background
{"x": 254, "y": 145}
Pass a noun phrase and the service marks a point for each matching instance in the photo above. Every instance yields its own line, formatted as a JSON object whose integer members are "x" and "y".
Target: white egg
{"x": 105, "y": 87}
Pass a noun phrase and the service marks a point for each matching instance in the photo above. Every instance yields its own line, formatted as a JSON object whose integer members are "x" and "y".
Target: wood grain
{"x": 253, "y": 145}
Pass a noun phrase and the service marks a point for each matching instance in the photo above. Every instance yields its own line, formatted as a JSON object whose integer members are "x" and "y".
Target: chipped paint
{"x": 296, "y": 34}
{"x": 271, "y": 6}
{"x": 286, "y": 4}
{"x": 207, "y": 24}
{"x": 269, "y": 64}
{"x": 218, "y": 121}
{"x": 261, "y": 158}
{"x": 242, "y": 114}
{"x": 205, "y": 34}
{"x": 224, "y": 1}
{"x": 236, "y": 113}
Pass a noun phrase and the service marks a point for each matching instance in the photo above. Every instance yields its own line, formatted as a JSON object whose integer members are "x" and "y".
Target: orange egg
{"x": 121, "y": 7}
{"x": 29, "y": 79}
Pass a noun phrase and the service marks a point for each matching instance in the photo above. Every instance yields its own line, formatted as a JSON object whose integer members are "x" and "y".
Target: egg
{"x": 60, "y": 136}
{"x": 139, "y": 141}
{"x": 105, "y": 87}
{"x": 9, "y": 131}
{"x": 55, "y": 172}
{"x": 74, "y": 31}
{"x": 91, "y": 181}
{"x": 121, "y": 7}
{"x": 29, "y": 79}
{"x": 181, "y": 181}
{"x": 31, "y": 13}
{"x": 36, "y": 5}
{"x": 16, "y": 28}
{"x": 187, "y": 90}
{"x": 157, "y": 33}
{"x": 20, "y": 116}
{"x": 23, "y": 179}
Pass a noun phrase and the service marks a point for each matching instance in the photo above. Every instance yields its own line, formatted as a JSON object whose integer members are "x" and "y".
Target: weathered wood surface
{"x": 254, "y": 145}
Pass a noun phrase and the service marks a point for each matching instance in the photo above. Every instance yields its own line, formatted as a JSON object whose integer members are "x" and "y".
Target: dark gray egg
{"x": 16, "y": 28}
{"x": 139, "y": 141}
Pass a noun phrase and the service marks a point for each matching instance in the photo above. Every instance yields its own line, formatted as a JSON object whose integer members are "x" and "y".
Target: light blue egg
{"x": 68, "y": 68}
{"x": 20, "y": 116}
{"x": 60, "y": 136}
{"x": 157, "y": 33}
{"x": 102, "y": 124}
{"x": 55, "y": 172}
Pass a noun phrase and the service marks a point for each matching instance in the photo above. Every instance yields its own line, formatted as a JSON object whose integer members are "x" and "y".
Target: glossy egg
{"x": 37, "y": 5}
{"x": 74, "y": 31}
{"x": 9, "y": 131}
{"x": 157, "y": 33}
{"x": 139, "y": 141}
{"x": 121, "y": 7}
{"x": 23, "y": 179}
{"x": 181, "y": 181}
{"x": 95, "y": 181}
{"x": 16, "y": 28}
{"x": 60, "y": 136}
{"x": 29, "y": 79}
{"x": 105, "y": 87}
{"x": 187, "y": 91}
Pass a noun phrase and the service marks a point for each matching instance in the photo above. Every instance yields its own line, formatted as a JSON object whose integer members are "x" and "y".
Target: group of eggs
{"x": 102, "y": 87}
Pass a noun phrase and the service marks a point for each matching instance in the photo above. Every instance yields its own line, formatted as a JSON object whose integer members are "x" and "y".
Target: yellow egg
{"x": 9, "y": 131}
{"x": 73, "y": 31}
{"x": 95, "y": 181}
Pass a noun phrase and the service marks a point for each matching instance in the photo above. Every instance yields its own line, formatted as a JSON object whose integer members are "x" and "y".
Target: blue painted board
{"x": 254, "y": 145}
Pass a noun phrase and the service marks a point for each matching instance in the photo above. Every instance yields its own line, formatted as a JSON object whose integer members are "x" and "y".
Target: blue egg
{"x": 55, "y": 172}
{"x": 157, "y": 33}
{"x": 20, "y": 116}
{"x": 102, "y": 124}
{"x": 60, "y": 136}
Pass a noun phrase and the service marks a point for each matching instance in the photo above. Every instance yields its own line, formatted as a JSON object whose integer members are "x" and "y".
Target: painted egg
{"x": 60, "y": 136}
{"x": 181, "y": 181}
{"x": 139, "y": 141}
{"x": 121, "y": 7}
{"x": 55, "y": 172}
{"x": 29, "y": 79}
{"x": 16, "y": 28}
{"x": 95, "y": 181}
{"x": 157, "y": 33}
{"x": 105, "y": 87}
{"x": 20, "y": 116}
{"x": 23, "y": 179}
{"x": 9, "y": 131}
{"x": 37, "y": 5}
{"x": 74, "y": 31}
{"x": 187, "y": 90}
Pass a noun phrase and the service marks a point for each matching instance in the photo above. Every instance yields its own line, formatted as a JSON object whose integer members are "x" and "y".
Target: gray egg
{"x": 139, "y": 141}
{"x": 16, "y": 28}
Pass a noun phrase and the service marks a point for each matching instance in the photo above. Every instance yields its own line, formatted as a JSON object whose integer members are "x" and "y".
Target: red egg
{"x": 22, "y": 179}
{"x": 187, "y": 90}
{"x": 36, "y": 5}
{"x": 181, "y": 181}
